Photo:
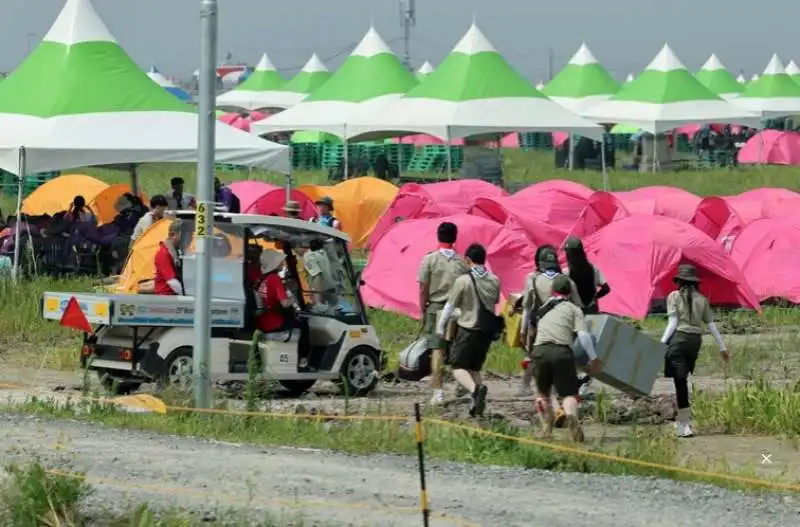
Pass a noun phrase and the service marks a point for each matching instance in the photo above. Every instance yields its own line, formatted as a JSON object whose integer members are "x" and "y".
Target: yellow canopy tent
{"x": 359, "y": 203}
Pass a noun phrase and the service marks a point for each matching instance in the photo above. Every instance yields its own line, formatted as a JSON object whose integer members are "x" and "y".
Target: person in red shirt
{"x": 167, "y": 263}
{"x": 272, "y": 299}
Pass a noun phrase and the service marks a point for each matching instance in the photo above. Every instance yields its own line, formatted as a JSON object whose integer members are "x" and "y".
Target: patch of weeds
{"x": 33, "y": 497}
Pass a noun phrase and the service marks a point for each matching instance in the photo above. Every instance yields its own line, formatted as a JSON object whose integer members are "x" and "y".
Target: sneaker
{"x": 684, "y": 430}
{"x": 478, "y": 401}
{"x": 438, "y": 398}
{"x": 575, "y": 429}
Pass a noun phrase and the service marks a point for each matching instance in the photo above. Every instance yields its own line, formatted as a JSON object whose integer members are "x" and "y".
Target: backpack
{"x": 415, "y": 361}
{"x": 488, "y": 321}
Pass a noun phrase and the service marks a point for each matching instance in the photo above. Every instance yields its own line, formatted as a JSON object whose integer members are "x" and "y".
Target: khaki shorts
{"x": 435, "y": 341}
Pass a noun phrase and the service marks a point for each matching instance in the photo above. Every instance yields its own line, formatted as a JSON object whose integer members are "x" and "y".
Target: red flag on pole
{"x": 74, "y": 318}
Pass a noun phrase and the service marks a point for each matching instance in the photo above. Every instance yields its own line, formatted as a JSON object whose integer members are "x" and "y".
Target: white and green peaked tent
{"x": 473, "y": 92}
{"x": 424, "y": 70}
{"x": 370, "y": 77}
{"x": 582, "y": 83}
{"x": 793, "y": 71}
{"x": 740, "y": 79}
{"x": 754, "y": 77}
{"x": 716, "y": 78}
{"x": 263, "y": 89}
{"x": 774, "y": 94}
{"x": 664, "y": 97}
{"x": 629, "y": 78}
{"x": 79, "y": 100}
{"x": 309, "y": 79}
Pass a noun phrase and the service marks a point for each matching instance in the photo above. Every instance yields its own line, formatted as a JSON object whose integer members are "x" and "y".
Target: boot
{"x": 683, "y": 423}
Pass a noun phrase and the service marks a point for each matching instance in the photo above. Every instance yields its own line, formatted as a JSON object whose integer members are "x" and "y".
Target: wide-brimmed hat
{"x": 325, "y": 200}
{"x": 292, "y": 206}
{"x": 270, "y": 260}
{"x": 687, "y": 273}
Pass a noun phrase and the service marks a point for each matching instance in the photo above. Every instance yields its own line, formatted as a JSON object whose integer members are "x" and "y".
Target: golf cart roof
{"x": 254, "y": 221}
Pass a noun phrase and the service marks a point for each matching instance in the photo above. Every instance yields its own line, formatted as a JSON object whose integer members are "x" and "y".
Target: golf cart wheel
{"x": 360, "y": 370}
{"x": 115, "y": 386}
{"x": 296, "y": 388}
{"x": 178, "y": 370}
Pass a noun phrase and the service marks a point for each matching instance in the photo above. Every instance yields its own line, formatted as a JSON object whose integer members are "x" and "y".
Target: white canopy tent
{"x": 102, "y": 110}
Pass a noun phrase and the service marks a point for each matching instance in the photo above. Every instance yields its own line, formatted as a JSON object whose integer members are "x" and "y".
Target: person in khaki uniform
{"x": 437, "y": 274}
{"x": 560, "y": 320}
{"x": 687, "y": 311}
{"x": 320, "y": 277}
{"x": 538, "y": 287}
{"x": 476, "y": 294}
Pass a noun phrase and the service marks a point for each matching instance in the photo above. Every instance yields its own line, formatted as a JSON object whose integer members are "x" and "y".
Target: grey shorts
{"x": 435, "y": 341}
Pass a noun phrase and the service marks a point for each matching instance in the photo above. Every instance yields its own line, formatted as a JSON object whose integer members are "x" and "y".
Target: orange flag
{"x": 74, "y": 318}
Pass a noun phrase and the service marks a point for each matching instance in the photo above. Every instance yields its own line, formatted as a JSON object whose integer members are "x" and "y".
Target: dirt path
{"x": 375, "y": 490}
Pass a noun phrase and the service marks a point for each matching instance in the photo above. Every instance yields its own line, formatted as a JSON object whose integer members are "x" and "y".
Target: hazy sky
{"x": 623, "y": 34}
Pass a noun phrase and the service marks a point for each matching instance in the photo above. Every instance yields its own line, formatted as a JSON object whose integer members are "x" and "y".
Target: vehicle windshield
{"x": 319, "y": 272}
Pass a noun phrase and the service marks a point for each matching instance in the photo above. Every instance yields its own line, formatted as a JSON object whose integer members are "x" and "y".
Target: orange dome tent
{"x": 359, "y": 203}
{"x": 57, "y": 194}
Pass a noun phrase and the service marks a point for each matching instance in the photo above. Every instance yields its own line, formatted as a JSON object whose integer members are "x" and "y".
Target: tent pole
{"x": 603, "y": 162}
{"x": 288, "y": 188}
{"x": 449, "y": 159}
{"x": 134, "y": 175}
{"x": 17, "y": 225}
{"x": 655, "y": 151}
{"x": 346, "y": 157}
{"x": 204, "y": 220}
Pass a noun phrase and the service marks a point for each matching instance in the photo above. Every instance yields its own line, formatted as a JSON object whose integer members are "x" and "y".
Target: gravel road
{"x": 338, "y": 489}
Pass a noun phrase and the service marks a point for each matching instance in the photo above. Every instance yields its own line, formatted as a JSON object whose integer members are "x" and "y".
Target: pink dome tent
{"x": 639, "y": 257}
{"x": 546, "y": 211}
{"x": 258, "y": 197}
{"x": 433, "y": 200}
{"x": 762, "y": 203}
{"x": 390, "y": 278}
{"x": 771, "y": 147}
{"x": 715, "y": 217}
{"x": 660, "y": 201}
{"x": 601, "y": 209}
{"x": 767, "y": 252}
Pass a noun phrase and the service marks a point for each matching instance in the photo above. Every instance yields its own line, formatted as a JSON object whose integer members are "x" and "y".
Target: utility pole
{"x": 204, "y": 218}
{"x": 408, "y": 20}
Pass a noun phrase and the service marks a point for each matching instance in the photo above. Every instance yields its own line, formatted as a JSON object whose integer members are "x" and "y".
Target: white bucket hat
{"x": 270, "y": 260}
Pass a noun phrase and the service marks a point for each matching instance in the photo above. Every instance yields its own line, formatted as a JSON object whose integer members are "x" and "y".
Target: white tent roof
{"x": 666, "y": 74}
{"x": 60, "y": 130}
{"x": 243, "y": 98}
{"x": 503, "y": 105}
{"x": 331, "y": 108}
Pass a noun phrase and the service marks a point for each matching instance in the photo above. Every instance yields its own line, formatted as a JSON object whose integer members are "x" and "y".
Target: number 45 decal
{"x": 283, "y": 358}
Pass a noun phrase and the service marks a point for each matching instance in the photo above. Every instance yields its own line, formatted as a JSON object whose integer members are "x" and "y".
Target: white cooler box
{"x": 631, "y": 359}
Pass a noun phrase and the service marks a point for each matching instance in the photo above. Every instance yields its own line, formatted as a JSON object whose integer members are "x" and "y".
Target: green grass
{"x": 500, "y": 444}
{"x": 35, "y": 496}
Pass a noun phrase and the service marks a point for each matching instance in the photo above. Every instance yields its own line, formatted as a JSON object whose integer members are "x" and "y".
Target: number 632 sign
{"x": 201, "y": 220}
